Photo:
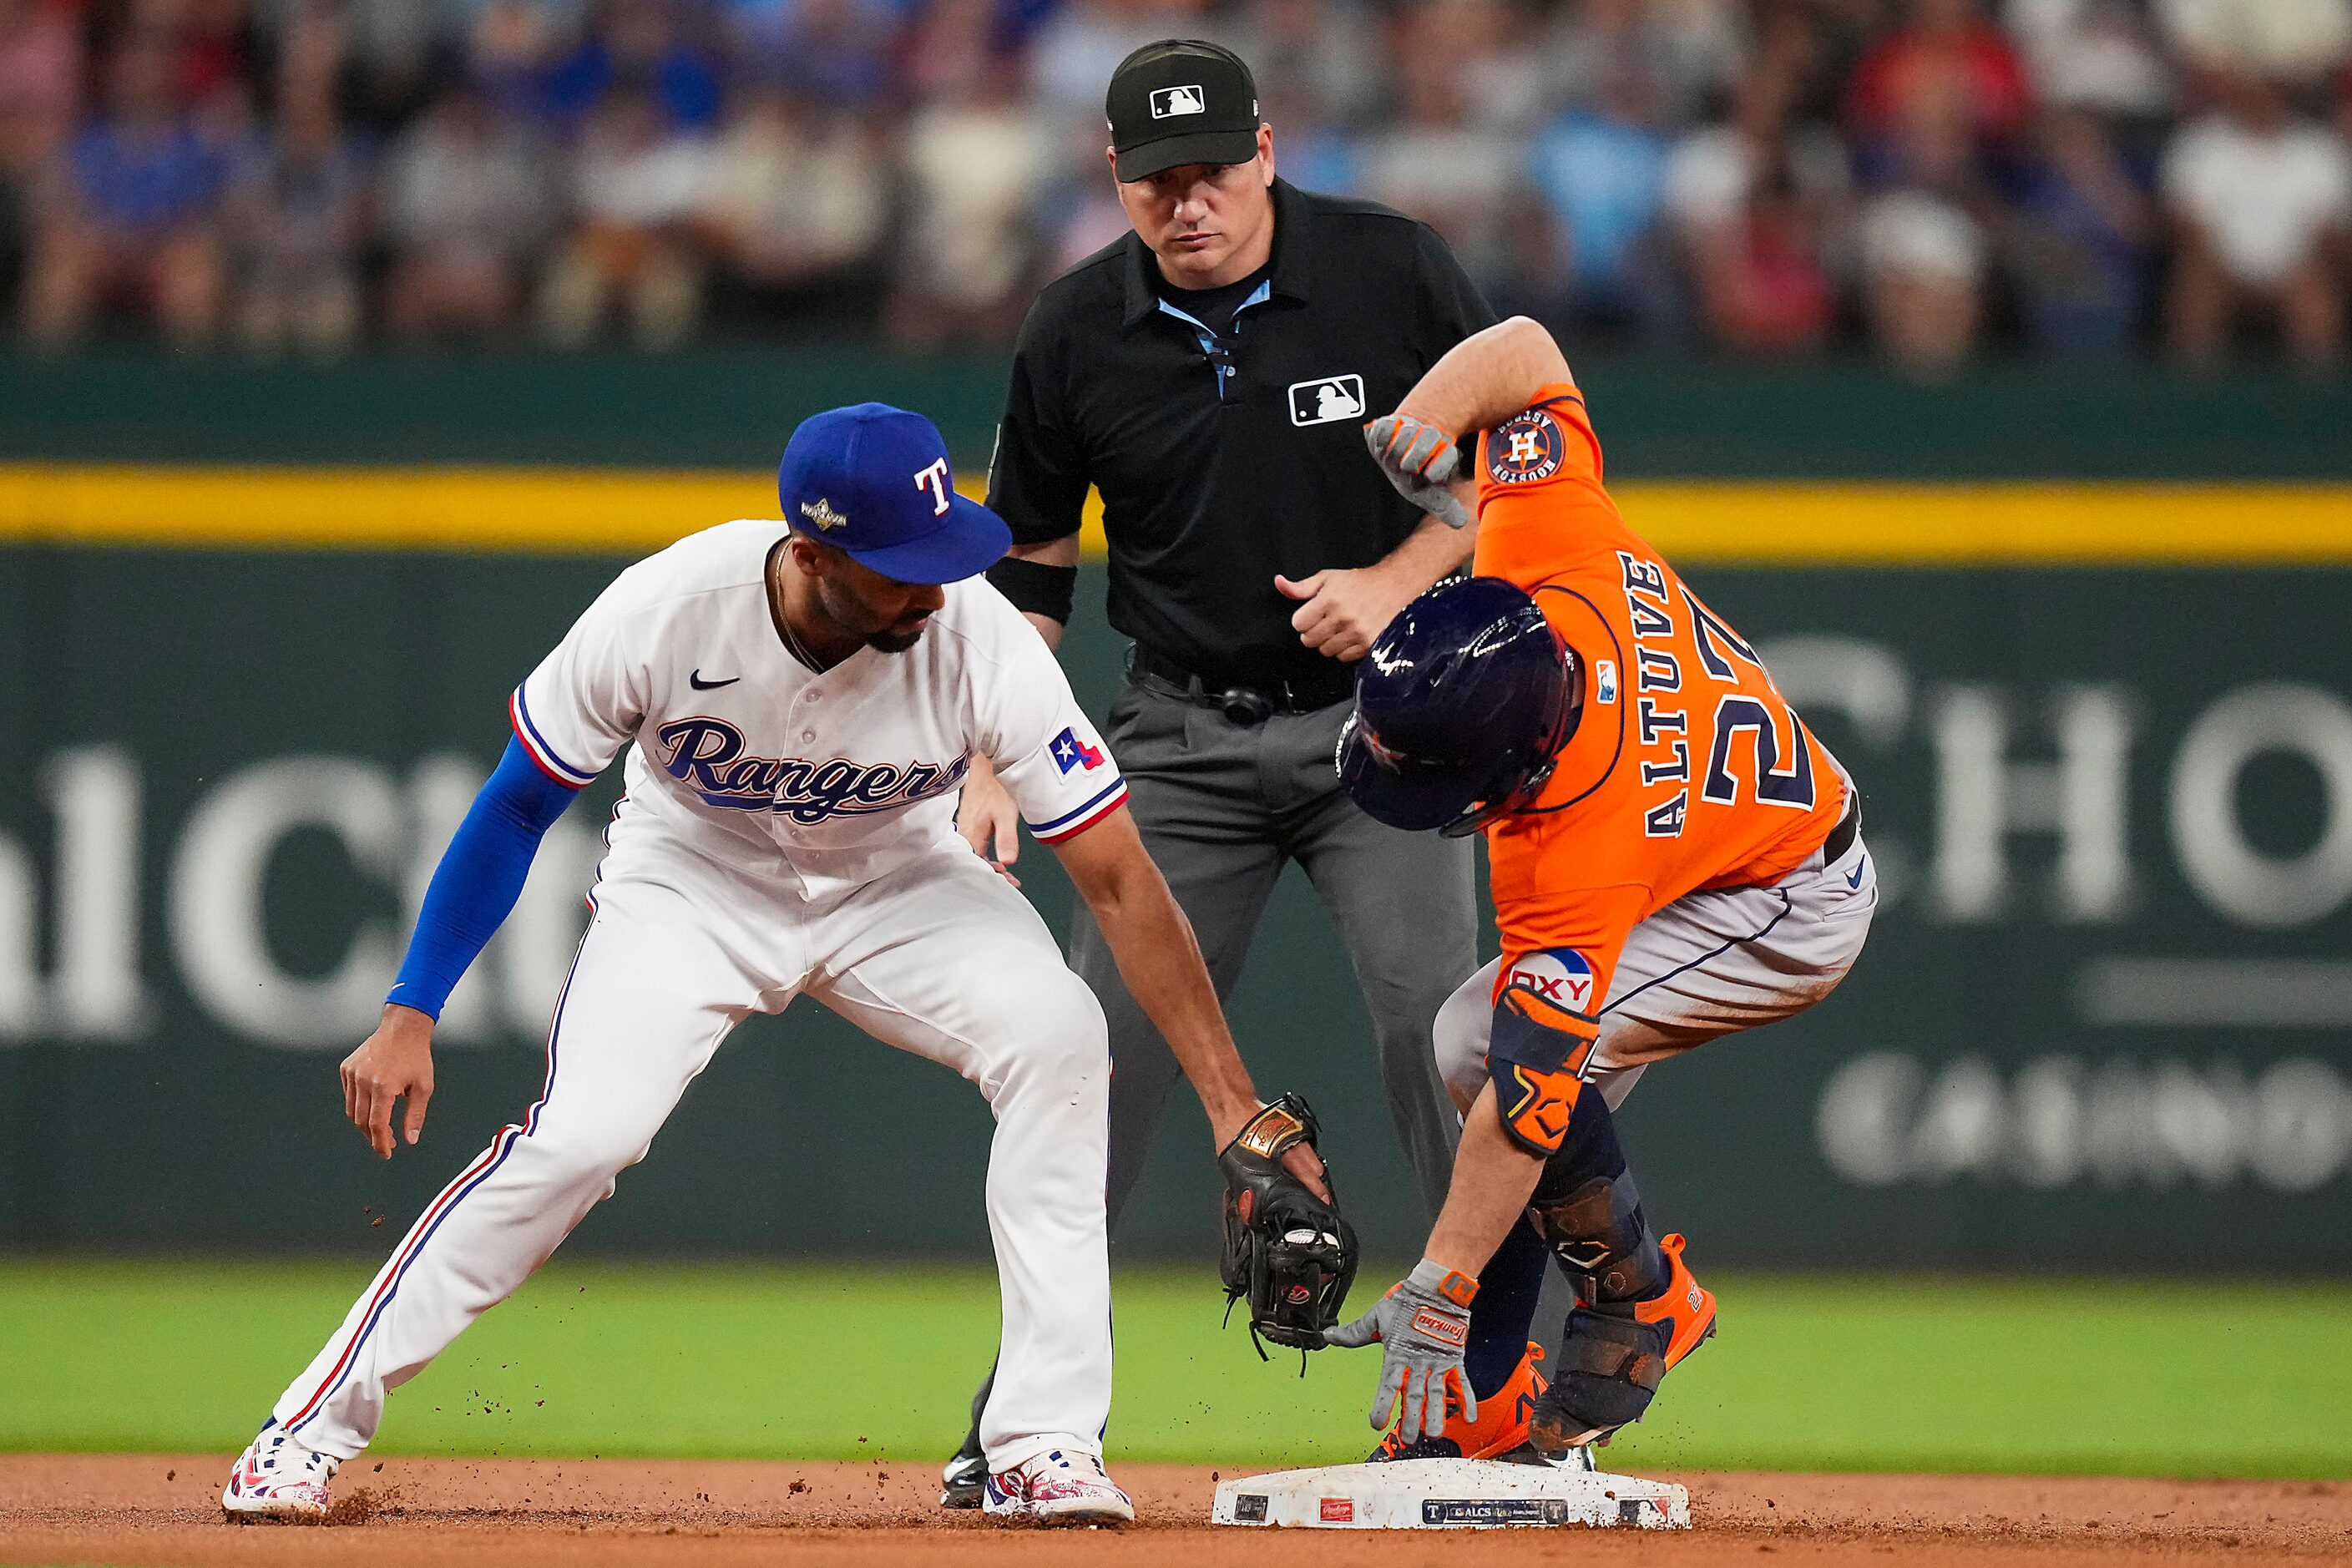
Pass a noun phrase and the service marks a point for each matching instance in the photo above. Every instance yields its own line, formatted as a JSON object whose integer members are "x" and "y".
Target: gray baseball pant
{"x": 1222, "y": 807}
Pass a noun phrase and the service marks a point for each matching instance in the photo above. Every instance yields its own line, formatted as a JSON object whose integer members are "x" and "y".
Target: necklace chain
{"x": 793, "y": 644}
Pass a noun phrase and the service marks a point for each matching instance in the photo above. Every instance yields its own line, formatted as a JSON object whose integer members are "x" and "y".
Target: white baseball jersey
{"x": 789, "y": 833}
{"x": 747, "y": 757}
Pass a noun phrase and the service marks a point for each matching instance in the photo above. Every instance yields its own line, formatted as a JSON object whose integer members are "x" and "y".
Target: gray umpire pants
{"x": 1222, "y": 807}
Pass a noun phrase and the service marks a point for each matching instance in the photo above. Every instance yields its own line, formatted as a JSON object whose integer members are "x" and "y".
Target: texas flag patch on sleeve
{"x": 1072, "y": 754}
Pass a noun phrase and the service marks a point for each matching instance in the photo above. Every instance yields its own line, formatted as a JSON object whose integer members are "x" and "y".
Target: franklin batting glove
{"x": 1421, "y": 461}
{"x": 1421, "y": 1325}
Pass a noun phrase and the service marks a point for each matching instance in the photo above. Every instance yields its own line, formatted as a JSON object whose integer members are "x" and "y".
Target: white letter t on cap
{"x": 936, "y": 479}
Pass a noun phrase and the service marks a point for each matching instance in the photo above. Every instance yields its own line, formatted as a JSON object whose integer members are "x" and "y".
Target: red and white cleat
{"x": 1060, "y": 1486}
{"x": 276, "y": 1478}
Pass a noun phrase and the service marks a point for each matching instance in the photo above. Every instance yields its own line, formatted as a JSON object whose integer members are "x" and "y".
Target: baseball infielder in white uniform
{"x": 799, "y": 706}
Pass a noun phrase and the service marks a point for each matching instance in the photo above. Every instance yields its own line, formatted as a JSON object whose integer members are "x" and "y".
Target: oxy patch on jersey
{"x": 706, "y": 756}
{"x": 1560, "y": 977}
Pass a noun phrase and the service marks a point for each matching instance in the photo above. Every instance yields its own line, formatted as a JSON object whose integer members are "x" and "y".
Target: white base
{"x": 1448, "y": 1494}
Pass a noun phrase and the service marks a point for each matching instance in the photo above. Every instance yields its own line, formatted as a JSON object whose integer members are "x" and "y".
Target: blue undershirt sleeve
{"x": 480, "y": 876}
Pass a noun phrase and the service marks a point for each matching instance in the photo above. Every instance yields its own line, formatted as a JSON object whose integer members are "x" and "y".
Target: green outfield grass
{"x": 833, "y": 1363}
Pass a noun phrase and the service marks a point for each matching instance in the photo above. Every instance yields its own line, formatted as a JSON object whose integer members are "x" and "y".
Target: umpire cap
{"x": 1180, "y": 100}
{"x": 1461, "y": 707}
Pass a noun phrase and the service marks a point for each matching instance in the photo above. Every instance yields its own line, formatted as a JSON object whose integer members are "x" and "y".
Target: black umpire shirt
{"x": 1226, "y": 453}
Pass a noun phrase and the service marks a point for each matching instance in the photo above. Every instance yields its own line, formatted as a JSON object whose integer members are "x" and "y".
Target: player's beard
{"x": 897, "y": 641}
{"x": 857, "y": 618}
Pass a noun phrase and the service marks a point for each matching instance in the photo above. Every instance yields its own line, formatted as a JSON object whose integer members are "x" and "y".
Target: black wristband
{"x": 1035, "y": 587}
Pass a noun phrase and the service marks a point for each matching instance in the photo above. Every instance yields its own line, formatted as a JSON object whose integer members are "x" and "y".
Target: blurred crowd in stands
{"x": 1936, "y": 179}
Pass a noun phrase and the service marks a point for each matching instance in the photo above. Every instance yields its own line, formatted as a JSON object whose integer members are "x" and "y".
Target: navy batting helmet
{"x": 1462, "y": 705}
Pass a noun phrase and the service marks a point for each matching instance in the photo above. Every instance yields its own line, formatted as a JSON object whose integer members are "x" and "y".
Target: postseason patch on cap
{"x": 1525, "y": 450}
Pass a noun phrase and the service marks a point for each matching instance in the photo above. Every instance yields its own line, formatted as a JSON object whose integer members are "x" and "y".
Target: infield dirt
{"x": 152, "y": 1510}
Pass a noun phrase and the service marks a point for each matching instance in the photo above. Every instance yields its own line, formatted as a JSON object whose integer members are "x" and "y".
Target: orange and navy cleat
{"x": 1501, "y": 1426}
{"x": 1612, "y": 1358}
{"x": 1685, "y": 1304}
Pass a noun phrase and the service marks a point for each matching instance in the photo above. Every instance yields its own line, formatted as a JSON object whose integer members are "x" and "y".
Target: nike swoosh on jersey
{"x": 1853, "y": 878}
{"x": 696, "y": 680}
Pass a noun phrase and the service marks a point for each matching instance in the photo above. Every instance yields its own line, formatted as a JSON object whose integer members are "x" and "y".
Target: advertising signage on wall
{"x": 2143, "y": 861}
{"x": 2105, "y": 1016}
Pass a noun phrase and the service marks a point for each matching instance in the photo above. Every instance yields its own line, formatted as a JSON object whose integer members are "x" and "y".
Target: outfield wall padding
{"x": 2105, "y": 1018}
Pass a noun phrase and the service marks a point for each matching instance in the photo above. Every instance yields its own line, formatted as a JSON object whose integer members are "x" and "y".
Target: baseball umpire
{"x": 1209, "y": 374}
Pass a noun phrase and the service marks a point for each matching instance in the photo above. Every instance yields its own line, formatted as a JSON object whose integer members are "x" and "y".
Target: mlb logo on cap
{"x": 1179, "y": 101}
{"x": 874, "y": 482}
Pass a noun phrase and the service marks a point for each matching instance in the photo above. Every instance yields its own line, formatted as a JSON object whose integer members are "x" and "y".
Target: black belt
{"x": 1840, "y": 838}
{"x": 1245, "y": 702}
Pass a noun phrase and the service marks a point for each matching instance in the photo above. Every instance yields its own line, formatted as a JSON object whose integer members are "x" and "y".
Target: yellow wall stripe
{"x": 573, "y": 510}
{"x": 1994, "y": 524}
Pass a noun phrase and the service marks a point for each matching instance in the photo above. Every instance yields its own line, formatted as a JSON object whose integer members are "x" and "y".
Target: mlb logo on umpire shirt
{"x": 1327, "y": 398}
{"x": 1167, "y": 103}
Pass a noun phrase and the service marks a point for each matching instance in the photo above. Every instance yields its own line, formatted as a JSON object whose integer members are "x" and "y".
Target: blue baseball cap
{"x": 874, "y": 482}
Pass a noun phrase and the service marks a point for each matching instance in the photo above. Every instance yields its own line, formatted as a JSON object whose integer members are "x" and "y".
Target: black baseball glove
{"x": 1289, "y": 1253}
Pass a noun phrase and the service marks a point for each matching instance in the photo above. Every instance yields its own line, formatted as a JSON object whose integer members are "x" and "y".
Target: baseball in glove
{"x": 1289, "y": 1253}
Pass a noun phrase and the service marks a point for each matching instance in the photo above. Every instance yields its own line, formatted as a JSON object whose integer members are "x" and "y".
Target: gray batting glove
{"x": 1421, "y": 1325}
{"x": 1421, "y": 461}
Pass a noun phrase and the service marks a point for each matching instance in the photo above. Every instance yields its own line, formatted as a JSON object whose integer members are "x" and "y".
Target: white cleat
{"x": 1060, "y": 1486}
{"x": 276, "y": 1478}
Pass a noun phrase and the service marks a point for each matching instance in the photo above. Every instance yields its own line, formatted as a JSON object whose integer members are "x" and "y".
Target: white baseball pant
{"x": 942, "y": 958}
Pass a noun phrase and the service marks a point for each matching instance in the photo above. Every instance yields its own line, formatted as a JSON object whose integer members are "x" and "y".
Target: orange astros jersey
{"x": 1687, "y": 770}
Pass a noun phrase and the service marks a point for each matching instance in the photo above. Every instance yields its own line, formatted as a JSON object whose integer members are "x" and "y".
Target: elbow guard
{"x": 1035, "y": 587}
{"x": 1545, "y": 1025}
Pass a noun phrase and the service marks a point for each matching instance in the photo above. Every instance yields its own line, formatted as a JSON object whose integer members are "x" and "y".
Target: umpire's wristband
{"x": 1035, "y": 587}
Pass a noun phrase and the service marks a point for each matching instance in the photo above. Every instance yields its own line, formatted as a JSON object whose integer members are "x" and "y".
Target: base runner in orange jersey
{"x": 1675, "y": 858}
